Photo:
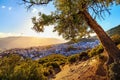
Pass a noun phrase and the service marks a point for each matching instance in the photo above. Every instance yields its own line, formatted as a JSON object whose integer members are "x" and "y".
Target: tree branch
{"x": 32, "y": 3}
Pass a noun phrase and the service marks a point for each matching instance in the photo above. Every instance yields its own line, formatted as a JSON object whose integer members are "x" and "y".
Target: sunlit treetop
{"x": 68, "y": 19}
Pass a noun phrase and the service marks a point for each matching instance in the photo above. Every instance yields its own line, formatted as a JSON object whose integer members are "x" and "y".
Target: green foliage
{"x": 73, "y": 58}
{"x": 68, "y": 18}
{"x": 59, "y": 59}
{"x": 95, "y": 51}
{"x": 46, "y": 73}
{"x": 116, "y": 39}
{"x": 14, "y": 67}
{"x": 83, "y": 56}
{"x": 114, "y": 71}
{"x": 52, "y": 63}
{"x": 7, "y": 65}
{"x": 28, "y": 71}
{"x": 114, "y": 31}
{"x": 44, "y": 21}
{"x": 78, "y": 57}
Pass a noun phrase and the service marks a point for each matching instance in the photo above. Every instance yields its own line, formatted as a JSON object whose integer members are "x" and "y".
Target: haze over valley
{"x": 59, "y": 40}
{"x": 26, "y": 42}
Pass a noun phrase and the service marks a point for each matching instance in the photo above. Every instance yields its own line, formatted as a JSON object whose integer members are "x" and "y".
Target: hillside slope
{"x": 113, "y": 31}
{"x": 24, "y": 42}
{"x": 84, "y": 70}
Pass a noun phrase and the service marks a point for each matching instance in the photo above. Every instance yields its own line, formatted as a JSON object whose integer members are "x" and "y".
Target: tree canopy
{"x": 74, "y": 19}
{"x": 68, "y": 19}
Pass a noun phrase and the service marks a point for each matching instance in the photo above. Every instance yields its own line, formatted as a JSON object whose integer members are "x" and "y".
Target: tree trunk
{"x": 108, "y": 44}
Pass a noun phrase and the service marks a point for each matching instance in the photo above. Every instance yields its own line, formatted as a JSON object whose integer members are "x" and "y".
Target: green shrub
{"x": 73, "y": 58}
{"x": 95, "y": 51}
{"x": 78, "y": 57}
{"x": 46, "y": 73}
{"x": 114, "y": 71}
{"x": 92, "y": 53}
{"x": 51, "y": 71}
{"x": 52, "y": 63}
{"x": 55, "y": 65}
{"x": 58, "y": 58}
{"x": 62, "y": 63}
{"x": 83, "y": 56}
{"x": 13, "y": 67}
{"x": 100, "y": 49}
{"x": 116, "y": 39}
{"x": 42, "y": 61}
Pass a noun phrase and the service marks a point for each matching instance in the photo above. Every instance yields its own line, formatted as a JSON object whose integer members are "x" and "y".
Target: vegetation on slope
{"x": 15, "y": 67}
{"x": 114, "y": 31}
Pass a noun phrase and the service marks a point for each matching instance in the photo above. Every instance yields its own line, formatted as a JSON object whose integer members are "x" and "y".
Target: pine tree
{"x": 74, "y": 19}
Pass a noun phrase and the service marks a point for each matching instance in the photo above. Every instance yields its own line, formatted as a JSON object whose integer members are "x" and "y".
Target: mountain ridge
{"x": 114, "y": 30}
{"x": 26, "y": 42}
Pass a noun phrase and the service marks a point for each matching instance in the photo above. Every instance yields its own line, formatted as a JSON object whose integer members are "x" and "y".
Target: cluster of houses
{"x": 39, "y": 52}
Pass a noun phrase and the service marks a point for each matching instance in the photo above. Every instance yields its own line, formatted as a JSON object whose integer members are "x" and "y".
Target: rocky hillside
{"x": 113, "y": 31}
{"x": 90, "y": 69}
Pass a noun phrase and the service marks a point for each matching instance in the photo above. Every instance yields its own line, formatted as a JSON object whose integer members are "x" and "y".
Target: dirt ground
{"x": 84, "y": 70}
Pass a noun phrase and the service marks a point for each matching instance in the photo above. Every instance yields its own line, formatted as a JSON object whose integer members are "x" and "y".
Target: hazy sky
{"x": 16, "y": 20}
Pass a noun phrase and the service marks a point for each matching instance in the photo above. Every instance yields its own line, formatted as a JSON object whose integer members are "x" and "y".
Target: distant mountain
{"x": 42, "y": 51}
{"x": 29, "y": 45}
{"x": 0, "y": 50}
{"x": 110, "y": 32}
{"x": 25, "y": 42}
{"x": 113, "y": 31}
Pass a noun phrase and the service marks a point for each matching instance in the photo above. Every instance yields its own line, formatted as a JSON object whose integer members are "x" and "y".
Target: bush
{"x": 51, "y": 71}
{"x": 14, "y": 67}
{"x": 53, "y": 64}
{"x": 78, "y": 57}
{"x": 83, "y": 56}
{"x": 73, "y": 58}
{"x": 53, "y": 68}
{"x": 95, "y": 51}
{"x": 99, "y": 49}
{"x": 46, "y": 73}
{"x": 42, "y": 61}
{"x": 114, "y": 71}
{"x": 116, "y": 39}
{"x": 92, "y": 53}
{"x": 59, "y": 59}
